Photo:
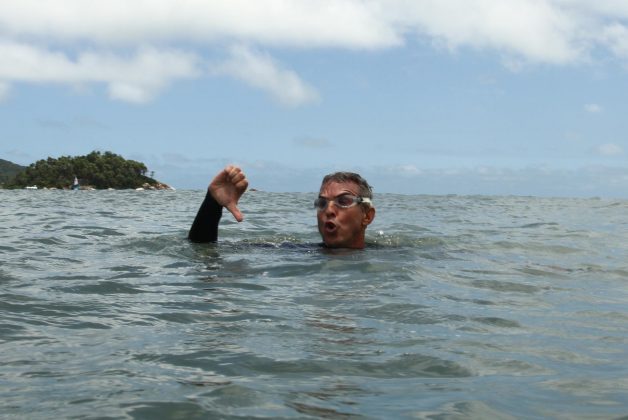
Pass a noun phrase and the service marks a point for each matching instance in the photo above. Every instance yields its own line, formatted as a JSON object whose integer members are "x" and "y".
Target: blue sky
{"x": 523, "y": 97}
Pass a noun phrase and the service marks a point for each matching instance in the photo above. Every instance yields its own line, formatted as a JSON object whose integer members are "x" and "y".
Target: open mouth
{"x": 330, "y": 227}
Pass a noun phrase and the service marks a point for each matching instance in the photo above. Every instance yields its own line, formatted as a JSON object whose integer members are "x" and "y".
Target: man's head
{"x": 344, "y": 210}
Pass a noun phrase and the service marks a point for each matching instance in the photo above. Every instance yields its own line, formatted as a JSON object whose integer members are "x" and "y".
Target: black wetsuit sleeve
{"x": 205, "y": 225}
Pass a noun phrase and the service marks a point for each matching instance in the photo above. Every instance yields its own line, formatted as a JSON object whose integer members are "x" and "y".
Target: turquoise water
{"x": 460, "y": 307}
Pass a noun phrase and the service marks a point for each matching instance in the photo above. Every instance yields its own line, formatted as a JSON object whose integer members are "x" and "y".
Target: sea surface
{"x": 460, "y": 307}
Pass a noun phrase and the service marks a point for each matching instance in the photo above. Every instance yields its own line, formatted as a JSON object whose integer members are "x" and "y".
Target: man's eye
{"x": 344, "y": 200}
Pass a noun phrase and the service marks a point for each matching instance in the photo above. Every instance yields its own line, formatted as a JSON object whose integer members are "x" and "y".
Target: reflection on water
{"x": 469, "y": 307}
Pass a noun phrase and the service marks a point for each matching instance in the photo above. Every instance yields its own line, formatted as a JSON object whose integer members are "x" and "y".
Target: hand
{"x": 227, "y": 187}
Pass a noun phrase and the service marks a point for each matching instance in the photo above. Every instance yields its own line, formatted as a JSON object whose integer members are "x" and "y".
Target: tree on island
{"x": 97, "y": 170}
{"x": 8, "y": 170}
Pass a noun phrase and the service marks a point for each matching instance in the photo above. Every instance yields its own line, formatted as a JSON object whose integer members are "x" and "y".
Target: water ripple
{"x": 460, "y": 307}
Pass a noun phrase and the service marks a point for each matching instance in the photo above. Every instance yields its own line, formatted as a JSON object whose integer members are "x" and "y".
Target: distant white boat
{"x": 32, "y": 187}
{"x": 75, "y": 185}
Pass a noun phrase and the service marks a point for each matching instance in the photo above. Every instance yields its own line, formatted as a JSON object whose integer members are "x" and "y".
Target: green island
{"x": 93, "y": 171}
{"x": 8, "y": 170}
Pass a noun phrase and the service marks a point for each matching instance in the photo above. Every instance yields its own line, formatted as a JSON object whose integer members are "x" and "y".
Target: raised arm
{"x": 225, "y": 190}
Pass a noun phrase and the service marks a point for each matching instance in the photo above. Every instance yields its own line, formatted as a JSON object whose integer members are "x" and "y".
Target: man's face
{"x": 340, "y": 227}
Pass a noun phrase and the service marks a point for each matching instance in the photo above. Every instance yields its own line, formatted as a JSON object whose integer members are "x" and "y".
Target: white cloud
{"x": 135, "y": 78}
{"x": 403, "y": 170}
{"x": 259, "y": 70}
{"x": 550, "y": 31}
{"x": 610, "y": 149}
{"x": 535, "y": 30}
{"x": 610, "y": 8}
{"x": 587, "y": 181}
{"x": 616, "y": 37}
{"x": 409, "y": 170}
{"x": 593, "y": 108}
{"x": 35, "y": 33}
{"x": 307, "y": 23}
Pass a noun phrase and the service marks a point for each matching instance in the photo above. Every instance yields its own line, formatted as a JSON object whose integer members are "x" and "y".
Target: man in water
{"x": 344, "y": 207}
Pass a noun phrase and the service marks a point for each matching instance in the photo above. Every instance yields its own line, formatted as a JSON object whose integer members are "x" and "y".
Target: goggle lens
{"x": 344, "y": 201}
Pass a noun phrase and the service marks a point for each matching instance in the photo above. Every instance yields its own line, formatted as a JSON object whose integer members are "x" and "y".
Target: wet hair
{"x": 364, "y": 189}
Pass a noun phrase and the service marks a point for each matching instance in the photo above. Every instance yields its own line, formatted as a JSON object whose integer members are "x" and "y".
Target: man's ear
{"x": 369, "y": 215}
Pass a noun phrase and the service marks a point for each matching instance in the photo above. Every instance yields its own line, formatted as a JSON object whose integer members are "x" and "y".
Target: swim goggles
{"x": 343, "y": 201}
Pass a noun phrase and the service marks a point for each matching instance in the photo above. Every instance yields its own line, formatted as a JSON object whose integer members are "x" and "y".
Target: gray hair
{"x": 364, "y": 189}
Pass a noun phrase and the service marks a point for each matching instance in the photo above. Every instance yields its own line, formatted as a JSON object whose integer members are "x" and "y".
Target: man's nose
{"x": 331, "y": 207}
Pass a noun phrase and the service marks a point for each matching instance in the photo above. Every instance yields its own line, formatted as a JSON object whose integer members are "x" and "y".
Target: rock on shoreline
{"x": 156, "y": 186}
{"x": 146, "y": 186}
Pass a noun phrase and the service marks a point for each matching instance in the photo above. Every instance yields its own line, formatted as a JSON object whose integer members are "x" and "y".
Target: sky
{"x": 506, "y": 97}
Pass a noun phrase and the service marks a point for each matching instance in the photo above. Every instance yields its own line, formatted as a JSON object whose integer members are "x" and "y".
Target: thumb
{"x": 233, "y": 209}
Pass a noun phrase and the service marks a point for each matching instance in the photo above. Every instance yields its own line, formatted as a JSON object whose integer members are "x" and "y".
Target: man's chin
{"x": 332, "y": 241}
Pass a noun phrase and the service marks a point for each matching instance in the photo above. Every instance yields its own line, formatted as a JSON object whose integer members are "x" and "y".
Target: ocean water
{"x": 460, "y": 307}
